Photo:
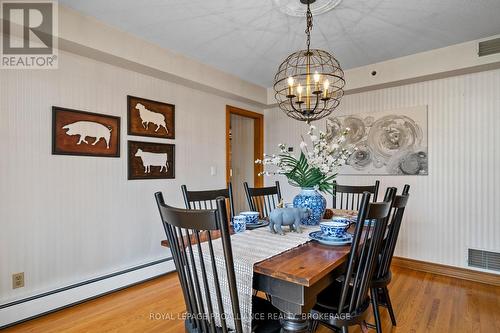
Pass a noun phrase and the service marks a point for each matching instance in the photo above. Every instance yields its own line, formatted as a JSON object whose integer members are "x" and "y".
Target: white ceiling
{"x": 251, "y": 38}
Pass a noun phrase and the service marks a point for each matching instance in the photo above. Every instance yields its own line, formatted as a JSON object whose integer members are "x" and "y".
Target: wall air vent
{"x": 484, "y": 259}
{"x": 488, "y": 47}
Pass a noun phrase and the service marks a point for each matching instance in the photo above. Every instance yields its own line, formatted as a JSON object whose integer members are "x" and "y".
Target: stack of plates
{"x": 328, "y": 240}
{"x": 258, "y": 224}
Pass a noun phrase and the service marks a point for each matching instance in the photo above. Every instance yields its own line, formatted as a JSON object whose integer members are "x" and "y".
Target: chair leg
{"x": 364, "y": 327}
{"x": 376, "y": 313}
{"x": 345, "y": 329}
{"x": 389, "y": 306}
{"x": 314, "y": 326}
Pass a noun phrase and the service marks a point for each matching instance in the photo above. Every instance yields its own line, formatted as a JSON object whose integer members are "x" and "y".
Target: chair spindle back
{"x": 207, "y": 199}
{"x": 183, "y": 228}
{"x": 389, "y": 244}
{"x": 365, "y": 247}
{"x": 349, "y": 196}
{"x": 263, "y": 199}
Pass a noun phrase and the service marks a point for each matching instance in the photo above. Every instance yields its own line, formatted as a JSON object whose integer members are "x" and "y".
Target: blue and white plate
{"x": 323, "y": 239}
{"x": 259, "y": 224}
{"x": 255, "y": 222}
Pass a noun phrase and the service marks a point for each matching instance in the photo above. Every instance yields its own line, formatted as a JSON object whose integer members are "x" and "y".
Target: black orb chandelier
{"x": 309, "y": 83}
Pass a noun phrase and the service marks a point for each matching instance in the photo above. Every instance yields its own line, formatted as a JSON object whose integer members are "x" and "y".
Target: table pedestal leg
{"x": 294, "y": 323}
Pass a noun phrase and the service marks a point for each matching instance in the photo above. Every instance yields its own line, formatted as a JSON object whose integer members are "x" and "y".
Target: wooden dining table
{"x": 294, "y": 278}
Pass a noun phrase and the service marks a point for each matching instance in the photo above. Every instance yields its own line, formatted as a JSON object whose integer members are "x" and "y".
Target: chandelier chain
{"x": 309, "y": 25}
{"x": 309, "y": 83}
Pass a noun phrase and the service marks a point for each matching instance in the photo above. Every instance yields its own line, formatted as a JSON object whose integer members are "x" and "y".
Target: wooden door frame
{"x": 258, "y": 140}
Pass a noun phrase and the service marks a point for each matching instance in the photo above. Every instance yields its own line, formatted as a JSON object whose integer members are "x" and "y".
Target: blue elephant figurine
{"x": 289, "y": 216}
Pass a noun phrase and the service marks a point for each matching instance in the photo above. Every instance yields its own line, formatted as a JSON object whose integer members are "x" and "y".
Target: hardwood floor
{"x": 423, "y": 302}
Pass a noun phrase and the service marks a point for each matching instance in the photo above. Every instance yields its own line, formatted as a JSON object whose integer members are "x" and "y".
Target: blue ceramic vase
{"x": 312, "y": 199}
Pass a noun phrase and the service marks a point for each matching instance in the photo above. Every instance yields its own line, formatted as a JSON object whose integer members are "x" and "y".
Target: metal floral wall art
{"x": 388, "y": 143}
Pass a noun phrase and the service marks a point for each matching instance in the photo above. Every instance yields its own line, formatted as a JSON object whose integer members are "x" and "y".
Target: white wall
{"x": 453, "y": 208}
{"x": 65, "y": 219}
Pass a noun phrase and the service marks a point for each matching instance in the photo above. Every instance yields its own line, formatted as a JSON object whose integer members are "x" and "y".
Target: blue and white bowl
{"x": 334, "y": 229}
{"x": 251, "y": 217}
{"x": 239, "y": 223}
{"x": 341, "y": 219}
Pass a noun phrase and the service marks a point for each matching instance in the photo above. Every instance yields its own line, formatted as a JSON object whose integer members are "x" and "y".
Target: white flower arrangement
{"x": 316, "y": 167}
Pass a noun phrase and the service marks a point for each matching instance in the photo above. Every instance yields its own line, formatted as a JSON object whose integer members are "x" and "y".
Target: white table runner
{"x": 249, "y": 248}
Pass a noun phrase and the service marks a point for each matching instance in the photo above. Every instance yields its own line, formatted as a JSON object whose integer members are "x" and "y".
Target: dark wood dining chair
{"x": 263, "y": 199}
{"x": 207, "y": 199}
{"x": 349, "y": 196}
{"x": 183, "y": 228}
{"x": 382, "y": 277}
{"x": 346, "y": 302}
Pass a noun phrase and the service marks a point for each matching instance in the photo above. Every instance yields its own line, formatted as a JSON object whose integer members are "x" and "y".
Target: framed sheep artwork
{"x": 150, "y": 118}
{"x": 151, "y": 160}
{"x": 84, "y": 133}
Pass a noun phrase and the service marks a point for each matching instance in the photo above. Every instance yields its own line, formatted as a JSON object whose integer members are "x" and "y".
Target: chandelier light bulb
{"x": 290, "y": 86}
{"x": 316, "y": 77}
{"x": 326, "y": 85}
{"x": 299, "y": 92}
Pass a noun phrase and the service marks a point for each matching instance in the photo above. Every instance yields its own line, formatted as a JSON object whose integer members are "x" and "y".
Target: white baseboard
{"x": 48, "y": 303}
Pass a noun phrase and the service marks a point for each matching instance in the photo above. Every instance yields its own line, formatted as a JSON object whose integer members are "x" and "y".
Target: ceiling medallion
{"x": 309, "y": 83}
{"x": 295, "y": 8}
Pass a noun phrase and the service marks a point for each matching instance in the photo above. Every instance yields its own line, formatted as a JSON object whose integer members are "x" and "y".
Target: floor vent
{"x": 484, "y": 259}
{"x": 488, "y": 47}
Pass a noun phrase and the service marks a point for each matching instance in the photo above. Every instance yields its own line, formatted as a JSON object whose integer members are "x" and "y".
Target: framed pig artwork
{"x": 150, "y": 118}
{"x": 151, "y": 160}
{"x": 84, "y": 133}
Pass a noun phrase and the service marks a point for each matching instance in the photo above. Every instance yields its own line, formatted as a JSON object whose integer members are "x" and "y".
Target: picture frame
{"x": 146, "y": 117}
{"x": 150, "y": 160}
{"x": 83, "y": 133}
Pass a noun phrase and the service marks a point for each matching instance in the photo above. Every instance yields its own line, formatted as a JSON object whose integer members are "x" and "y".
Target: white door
{"x": 242, "y": 159}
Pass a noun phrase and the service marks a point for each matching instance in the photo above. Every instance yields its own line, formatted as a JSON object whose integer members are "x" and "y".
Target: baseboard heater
{"x": 15, "y": 312}
{"x": 484, "y": 259}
